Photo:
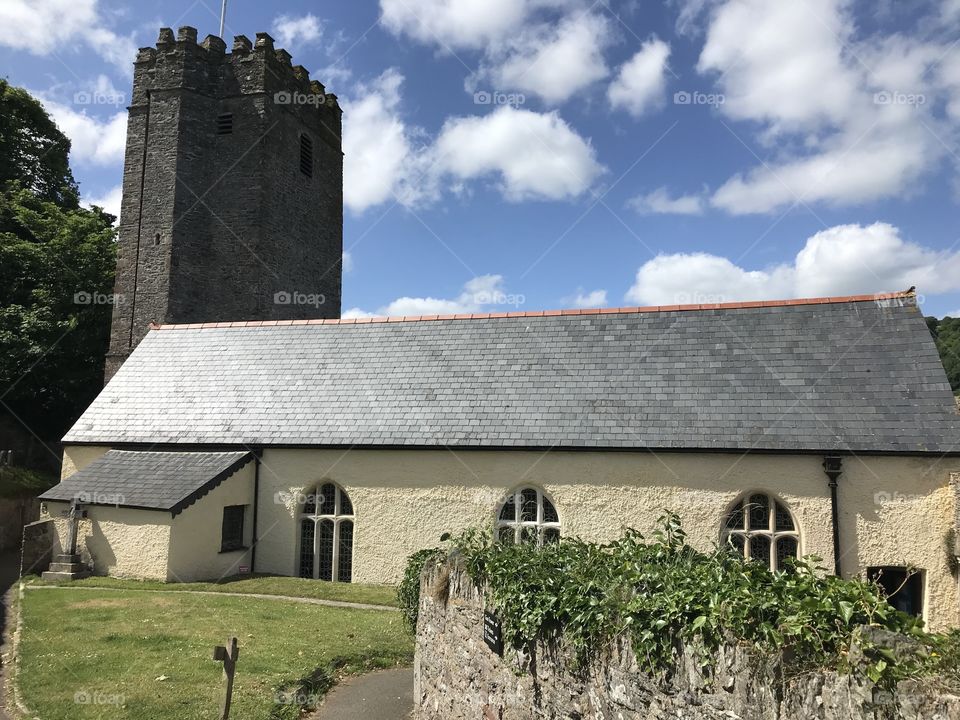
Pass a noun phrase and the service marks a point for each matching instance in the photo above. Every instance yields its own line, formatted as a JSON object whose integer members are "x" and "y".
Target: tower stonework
{"x": 232, "y": 202}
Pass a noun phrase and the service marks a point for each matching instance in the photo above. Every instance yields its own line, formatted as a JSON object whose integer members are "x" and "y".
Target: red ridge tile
{"x": 539, "y": 313}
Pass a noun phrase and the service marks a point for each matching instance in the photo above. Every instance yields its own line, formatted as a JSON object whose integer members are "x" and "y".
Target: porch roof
{"x": 155, "y": 480}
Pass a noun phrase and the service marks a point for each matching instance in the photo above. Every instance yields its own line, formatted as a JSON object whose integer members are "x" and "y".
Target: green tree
{"x": 57, "y": 262}
{"x": 946, "y": 333}
{"x": 33, "y": 151}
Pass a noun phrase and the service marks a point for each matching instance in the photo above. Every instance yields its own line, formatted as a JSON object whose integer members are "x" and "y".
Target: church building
{"x": 241, "y": 432}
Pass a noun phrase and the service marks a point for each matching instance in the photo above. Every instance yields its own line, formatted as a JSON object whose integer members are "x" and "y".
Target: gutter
{"x": 257, "y": 454}
{"x": 833, "y": 468}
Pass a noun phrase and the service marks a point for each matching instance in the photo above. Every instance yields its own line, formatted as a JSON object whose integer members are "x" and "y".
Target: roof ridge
{"x": 542, "y": 313}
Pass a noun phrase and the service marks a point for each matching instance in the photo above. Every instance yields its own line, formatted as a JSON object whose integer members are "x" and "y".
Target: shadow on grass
{"x": 305, "y": 694}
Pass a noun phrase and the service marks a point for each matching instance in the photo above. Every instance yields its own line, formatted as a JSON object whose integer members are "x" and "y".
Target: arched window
{"x": 762, "y": 528}
{"x": 326, "y": 535}
{"x": 527, "y": 515}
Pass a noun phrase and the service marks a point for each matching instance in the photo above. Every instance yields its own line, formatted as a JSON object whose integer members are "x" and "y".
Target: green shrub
{"x": 663, "y": 592}
{"x": 408, "y": 591}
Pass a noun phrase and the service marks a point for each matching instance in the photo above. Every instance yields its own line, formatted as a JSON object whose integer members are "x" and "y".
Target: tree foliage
{"x": 946, "y": 333}
{"x": 33, "y": 150}
{"x": 57, "y": 263}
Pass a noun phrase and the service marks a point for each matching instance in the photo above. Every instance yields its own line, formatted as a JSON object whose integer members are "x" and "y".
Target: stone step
{"x": 66, "y": 558}
{"x": 67, "y": 567}
{"x": 54, "y": 575}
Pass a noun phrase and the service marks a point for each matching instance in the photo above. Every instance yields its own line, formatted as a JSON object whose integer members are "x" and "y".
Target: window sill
{"x": 233, "y": 550}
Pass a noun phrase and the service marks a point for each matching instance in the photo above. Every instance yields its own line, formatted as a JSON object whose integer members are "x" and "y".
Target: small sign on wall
{"x": 244, "y": 570}
{"x": 493, "y": 632}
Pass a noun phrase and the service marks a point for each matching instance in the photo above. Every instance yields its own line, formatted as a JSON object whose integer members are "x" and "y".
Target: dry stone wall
{"x": 457, "y": 677}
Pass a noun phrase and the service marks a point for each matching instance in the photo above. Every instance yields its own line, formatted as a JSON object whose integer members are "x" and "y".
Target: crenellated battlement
{"x": 179, "y": 61}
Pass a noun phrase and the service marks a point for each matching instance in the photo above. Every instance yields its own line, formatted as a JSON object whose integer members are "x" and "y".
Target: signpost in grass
{"x": 228, "y": 656}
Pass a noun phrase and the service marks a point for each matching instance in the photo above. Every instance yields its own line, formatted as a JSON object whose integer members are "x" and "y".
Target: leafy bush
{"x": 946, "y": 333}
{"x": 408, "y": 591}
{"x": 663, "y": 592}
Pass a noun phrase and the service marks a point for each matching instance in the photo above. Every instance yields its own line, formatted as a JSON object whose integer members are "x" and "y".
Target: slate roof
{"x": 163, "y": 480}
{"x": 857, "y": 374}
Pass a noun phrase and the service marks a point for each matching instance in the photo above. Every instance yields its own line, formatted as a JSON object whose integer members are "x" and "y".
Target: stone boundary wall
{"x": 37, "y": 548}
{"x": 15, "y": 514}
{"x": 457, "y": 677}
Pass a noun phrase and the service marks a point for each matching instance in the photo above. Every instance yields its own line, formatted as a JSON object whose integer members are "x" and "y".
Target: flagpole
{"x": 223, "y": 15}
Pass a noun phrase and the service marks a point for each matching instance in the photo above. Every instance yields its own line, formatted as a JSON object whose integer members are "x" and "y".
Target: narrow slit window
{"x": 306, "y": 155}
{"x": 224, "y": 123}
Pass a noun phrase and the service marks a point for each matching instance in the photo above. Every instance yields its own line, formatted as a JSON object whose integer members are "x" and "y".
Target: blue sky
{"x": 530, "y": 154}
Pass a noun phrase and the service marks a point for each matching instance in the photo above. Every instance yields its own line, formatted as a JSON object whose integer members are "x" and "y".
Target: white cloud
{"x": 347, "y": 261}
{"x": 592, "y": 299}
{"x": 820, "y": 99}
{"x": 688, "y": 15}
{"x": 553, "y": 61}
{"x": 44, "y": 27}
{"x": 333, "y": 76}
{"x": 880, "y": 164}
{"x": 640, "y": 83}
{"x": 660, "y": 202}
{"x": 481, "y": 294}
{"x": 549, "y": 48}
{"x": 529, "y": 155}
{"x": 376, "y": 144}
{"x": 533, "y": 155}
{"x": 954, "y": 314}
{"x": 842, "y": 260}
{"x": 109, "y": 201}
{"x": 92, "y": 140}
{"x": 456, "y": 24}
{"x": 782, "y": 62}
{"x": 293, "y": 31}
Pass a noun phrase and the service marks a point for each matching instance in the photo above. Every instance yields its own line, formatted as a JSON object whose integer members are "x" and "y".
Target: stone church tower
{"x": 232, "y": 190}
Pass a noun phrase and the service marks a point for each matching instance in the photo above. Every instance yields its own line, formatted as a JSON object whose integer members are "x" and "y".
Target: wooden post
{"x": 228, "y": 656}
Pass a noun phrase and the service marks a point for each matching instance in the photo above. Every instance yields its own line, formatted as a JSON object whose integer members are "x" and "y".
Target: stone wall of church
{"x": 899, "y": 511}
{"x": 458, "y": 677}
{"x": 893, "y": 510}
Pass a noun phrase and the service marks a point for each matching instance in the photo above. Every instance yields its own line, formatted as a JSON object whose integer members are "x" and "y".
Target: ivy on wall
{"x": 661, "y": 592}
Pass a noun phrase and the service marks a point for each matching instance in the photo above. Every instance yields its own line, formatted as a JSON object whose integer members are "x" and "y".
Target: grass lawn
{"x": 102, "y": 653}
{"x": 263, "y": 584}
